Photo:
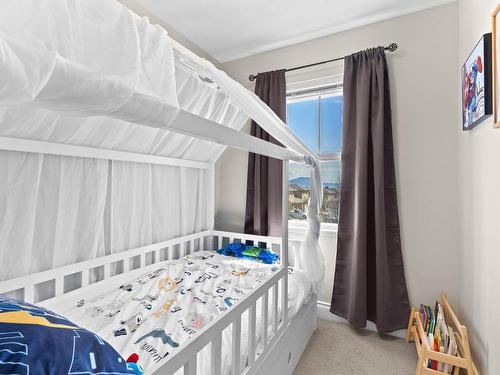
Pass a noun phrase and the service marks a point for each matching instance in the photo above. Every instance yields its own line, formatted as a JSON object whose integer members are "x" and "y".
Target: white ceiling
{"x": 231, "y": 29}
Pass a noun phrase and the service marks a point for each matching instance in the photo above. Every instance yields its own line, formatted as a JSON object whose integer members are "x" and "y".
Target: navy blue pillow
{"x": 34, "y": 340}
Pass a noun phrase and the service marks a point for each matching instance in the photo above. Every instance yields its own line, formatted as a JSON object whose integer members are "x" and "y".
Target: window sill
{"x": 297, "y": 229}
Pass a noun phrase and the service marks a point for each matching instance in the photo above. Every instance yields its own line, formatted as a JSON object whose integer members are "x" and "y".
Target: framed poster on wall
{"x": 496, "y": 66}
{"x": 476, "y": 84}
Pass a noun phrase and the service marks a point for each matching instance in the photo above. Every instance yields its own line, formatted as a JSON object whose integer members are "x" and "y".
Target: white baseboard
{"x": 324, "y": 313}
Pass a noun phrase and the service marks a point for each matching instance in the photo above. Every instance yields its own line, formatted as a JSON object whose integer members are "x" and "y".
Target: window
{"x": 315, "y": 116}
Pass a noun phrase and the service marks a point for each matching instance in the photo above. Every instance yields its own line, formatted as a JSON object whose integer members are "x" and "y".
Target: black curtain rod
{"x": 391, "y": 48}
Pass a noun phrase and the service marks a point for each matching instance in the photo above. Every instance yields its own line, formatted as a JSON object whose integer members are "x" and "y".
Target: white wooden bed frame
{"x": 281, "y": 351}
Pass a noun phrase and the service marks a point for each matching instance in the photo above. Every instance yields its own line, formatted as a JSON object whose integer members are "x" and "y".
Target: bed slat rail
{"x": 215, "y": 360}
{"x": 272, "y": 324}
{"x": 265, "y": 298}
{"x": 61, "y": 277}
{"x": 251, "y": 333}
{"x": 236, "y": 343}
{"x": 212, "y": 332}
{"x": 265, "y": 317}
{"x": 278, "y": 291}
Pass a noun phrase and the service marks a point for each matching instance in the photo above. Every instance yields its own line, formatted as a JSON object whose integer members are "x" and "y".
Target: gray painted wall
{"x": 479, "y": 161}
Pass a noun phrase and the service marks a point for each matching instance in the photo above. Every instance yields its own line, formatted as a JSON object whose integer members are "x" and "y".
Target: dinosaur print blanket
{"x": 158, "y": 312}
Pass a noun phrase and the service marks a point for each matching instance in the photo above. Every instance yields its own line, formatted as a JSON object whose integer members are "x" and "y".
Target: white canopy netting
{"x": 92, "y": 73}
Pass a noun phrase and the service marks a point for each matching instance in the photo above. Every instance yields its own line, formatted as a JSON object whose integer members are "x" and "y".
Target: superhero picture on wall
{"x": 476, "y": 84}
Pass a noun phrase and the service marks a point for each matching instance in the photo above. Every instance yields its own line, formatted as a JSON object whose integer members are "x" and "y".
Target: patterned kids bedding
{"x": 154, "y": 315}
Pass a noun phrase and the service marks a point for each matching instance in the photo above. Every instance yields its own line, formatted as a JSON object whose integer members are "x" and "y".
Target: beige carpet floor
{"x": 338, "y": 349}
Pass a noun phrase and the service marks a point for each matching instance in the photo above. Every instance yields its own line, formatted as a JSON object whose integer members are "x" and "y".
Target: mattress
{"x": 155, "y": 314}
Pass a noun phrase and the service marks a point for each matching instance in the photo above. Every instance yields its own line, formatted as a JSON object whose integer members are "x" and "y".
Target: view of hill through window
{"x": 317, "y": 120}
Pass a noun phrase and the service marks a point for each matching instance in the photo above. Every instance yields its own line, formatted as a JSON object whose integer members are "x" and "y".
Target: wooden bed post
{"x": 284, "y": 240}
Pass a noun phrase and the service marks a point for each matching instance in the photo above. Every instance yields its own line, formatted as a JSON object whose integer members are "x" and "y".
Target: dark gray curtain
{"x": 263, "y": 205}
{"x": 369, "y": 281}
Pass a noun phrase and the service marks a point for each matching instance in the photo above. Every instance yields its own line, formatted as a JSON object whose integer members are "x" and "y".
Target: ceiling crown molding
{"x": 246, "y": 51}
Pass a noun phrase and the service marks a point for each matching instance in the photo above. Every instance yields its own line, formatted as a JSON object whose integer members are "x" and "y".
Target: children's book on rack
{"x": 439, "y": 335}
{"x": 441, "y": 340}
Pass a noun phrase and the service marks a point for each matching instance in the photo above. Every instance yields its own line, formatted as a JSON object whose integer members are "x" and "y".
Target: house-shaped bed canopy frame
{"x": 43, "y": 76}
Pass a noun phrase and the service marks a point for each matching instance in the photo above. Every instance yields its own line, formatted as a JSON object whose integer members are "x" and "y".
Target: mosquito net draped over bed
{"x": 92, "y": 73}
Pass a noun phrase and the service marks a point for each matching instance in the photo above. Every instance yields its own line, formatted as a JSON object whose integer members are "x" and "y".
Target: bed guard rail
{"x": 132, "y": 263}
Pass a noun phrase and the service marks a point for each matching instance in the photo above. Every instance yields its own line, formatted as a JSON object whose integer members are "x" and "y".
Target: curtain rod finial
{"x": 392, "y": 47}
{"x": 251, "y": 77}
